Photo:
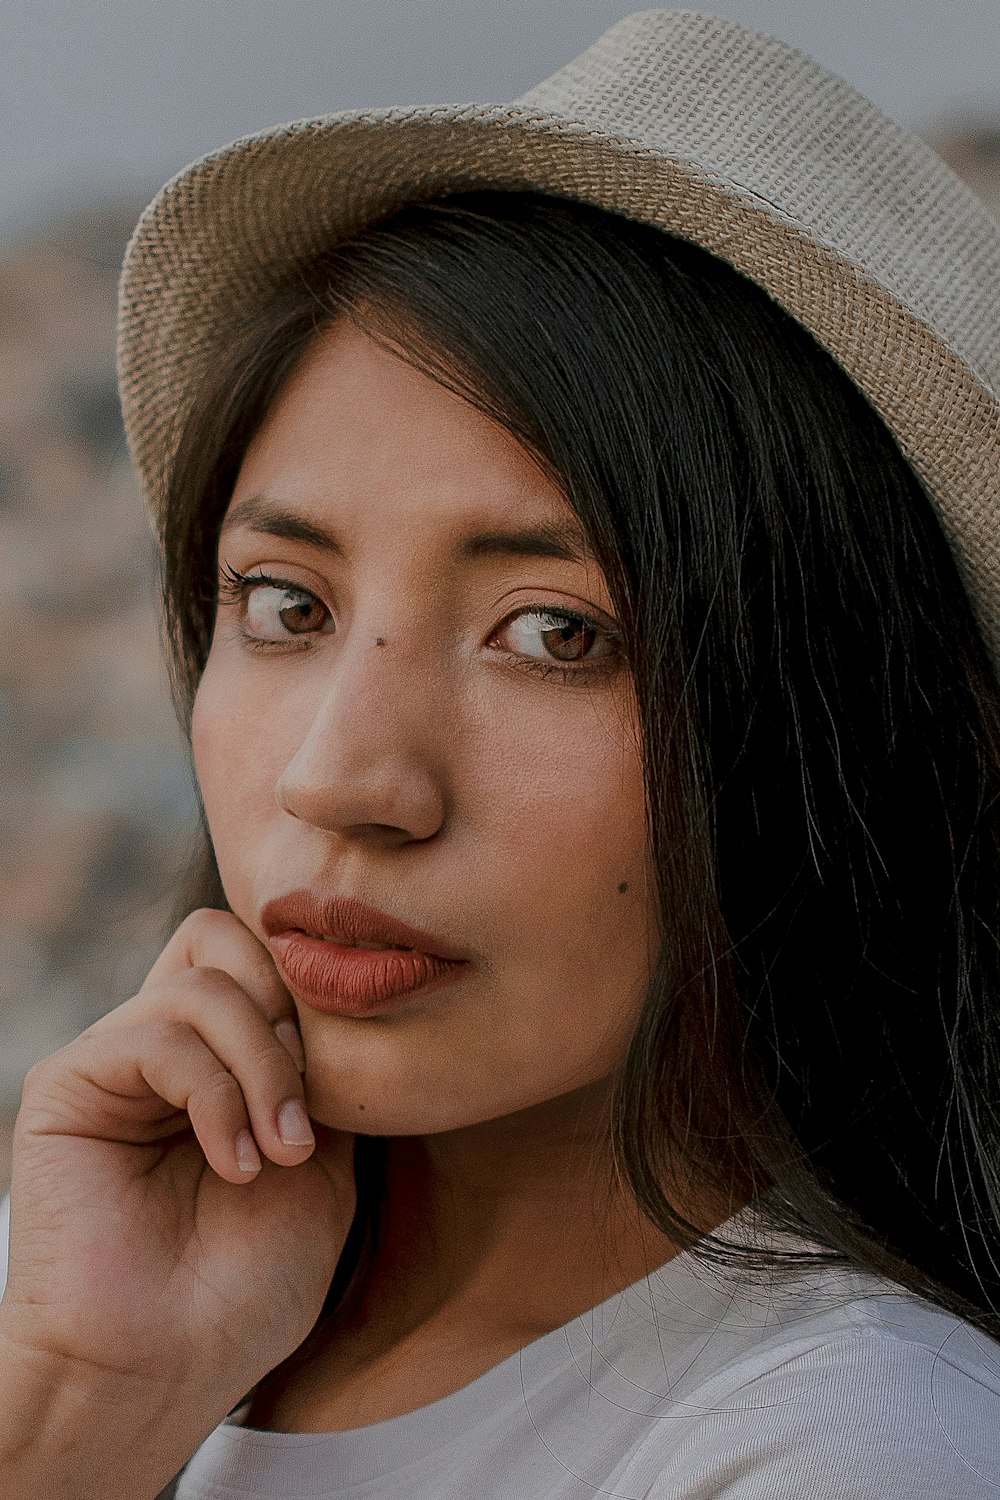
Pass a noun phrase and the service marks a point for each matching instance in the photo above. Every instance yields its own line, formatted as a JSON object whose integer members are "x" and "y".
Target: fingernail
{"x": 288, "y": 1034}
{"x": 293, "y": 1124}
{"x": 247, "y": 1155}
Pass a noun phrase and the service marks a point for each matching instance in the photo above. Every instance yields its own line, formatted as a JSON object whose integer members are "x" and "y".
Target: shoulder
{"x": 889, "y": 1399}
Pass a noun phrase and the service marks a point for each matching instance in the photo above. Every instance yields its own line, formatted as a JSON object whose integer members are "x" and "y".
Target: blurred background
{"x": 99, "y": 104}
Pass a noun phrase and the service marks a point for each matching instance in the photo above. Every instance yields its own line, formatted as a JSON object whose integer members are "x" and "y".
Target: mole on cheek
{"x": 623, "y": 888}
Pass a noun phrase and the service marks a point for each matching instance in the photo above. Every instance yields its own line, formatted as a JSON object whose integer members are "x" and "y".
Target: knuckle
{"x": 186, "y": 994}
{"x": 219, "y": 1091}
{"x": 204, "y": 919}
{"x": 268, "y": 1056}
{"x": 203, "y": 932}
{"x": 210, "y": 975}
{"x": 37, "y": 1076}
{"x": 46, "y": 1083}
{"x": 167, "y": 1032}
{"x": 121, "y": 1018}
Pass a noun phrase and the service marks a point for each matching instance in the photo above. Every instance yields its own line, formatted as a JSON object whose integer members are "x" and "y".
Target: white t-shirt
{"x": 694, "y": 1383}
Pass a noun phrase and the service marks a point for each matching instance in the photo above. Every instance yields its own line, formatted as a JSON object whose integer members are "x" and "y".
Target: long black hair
{"x": 819, "y": 712}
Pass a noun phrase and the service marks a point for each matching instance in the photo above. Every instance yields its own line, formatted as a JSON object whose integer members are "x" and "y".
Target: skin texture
{"x": 392, "y": 734}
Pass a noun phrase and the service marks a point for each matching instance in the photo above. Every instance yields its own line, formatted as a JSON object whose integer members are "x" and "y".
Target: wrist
{"x": 71, "y": 1431}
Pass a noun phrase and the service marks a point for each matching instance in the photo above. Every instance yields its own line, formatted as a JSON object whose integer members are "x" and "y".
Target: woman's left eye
{"x": 557, "y": 638}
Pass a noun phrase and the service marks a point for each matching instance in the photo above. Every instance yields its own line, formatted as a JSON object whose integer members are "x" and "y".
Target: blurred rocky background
{"x": 96, "y": 806}
{"x": 96, "y": 802}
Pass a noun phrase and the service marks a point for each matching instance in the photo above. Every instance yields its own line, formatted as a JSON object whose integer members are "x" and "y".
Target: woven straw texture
{"x": 677, "y": 118}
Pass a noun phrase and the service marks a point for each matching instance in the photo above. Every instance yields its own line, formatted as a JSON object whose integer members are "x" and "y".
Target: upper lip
{"x": 350, "y": 919}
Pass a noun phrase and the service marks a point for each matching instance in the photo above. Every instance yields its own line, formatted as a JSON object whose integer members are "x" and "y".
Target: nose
{"x": 368, "y": 765}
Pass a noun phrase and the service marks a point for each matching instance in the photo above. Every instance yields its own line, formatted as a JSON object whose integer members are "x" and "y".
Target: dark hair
{"x": 819, "y": 712}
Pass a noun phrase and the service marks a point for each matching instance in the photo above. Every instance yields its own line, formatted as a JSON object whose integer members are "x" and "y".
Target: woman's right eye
{"x": 273, "y": 610}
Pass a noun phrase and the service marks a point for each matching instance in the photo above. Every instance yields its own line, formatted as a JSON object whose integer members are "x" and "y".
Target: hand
{"x": 141, "y": 1247}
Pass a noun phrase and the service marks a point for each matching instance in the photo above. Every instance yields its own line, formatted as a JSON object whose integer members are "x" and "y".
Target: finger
{"x": 219, "y": 940}
{"x": 240, "y": 1093}
{"x": 288, "y": 1034}
{"x": 178, "y": 1066}
{"x": 127, "y": 1086}
{"x": 215, "y": 1006}
{"x": 161, "y": 1001}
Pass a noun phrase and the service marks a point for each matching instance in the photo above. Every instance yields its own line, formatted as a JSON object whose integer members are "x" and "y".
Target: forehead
{"x": 359, "y": 436}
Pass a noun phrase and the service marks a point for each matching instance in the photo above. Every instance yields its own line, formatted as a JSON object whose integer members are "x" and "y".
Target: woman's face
{"x": 411, "y": 714}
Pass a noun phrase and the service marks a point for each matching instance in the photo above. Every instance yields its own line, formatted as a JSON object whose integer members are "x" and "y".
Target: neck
{"x": 512, "y": 1224}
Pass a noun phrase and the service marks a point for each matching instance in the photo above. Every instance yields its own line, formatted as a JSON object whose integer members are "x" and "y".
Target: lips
{"x": 350, "y": 922}
{"x": 339, "y": 954}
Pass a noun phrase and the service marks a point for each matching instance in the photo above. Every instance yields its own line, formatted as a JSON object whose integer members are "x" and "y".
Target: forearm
{"x": 72, "y": 1434}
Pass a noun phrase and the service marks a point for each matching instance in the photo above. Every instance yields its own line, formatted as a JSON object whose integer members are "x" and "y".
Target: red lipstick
{"x": 314, "y": 941}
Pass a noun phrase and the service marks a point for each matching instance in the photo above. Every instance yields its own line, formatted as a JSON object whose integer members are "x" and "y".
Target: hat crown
{"x": 765, "y": 120}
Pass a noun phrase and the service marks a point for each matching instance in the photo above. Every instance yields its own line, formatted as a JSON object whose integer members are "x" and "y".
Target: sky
{"x": 105, "y": 97}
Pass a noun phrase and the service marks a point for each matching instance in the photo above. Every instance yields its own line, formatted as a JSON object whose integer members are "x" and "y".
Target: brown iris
{"x": 302, "y": 613}
{"x": 570, "y": 640}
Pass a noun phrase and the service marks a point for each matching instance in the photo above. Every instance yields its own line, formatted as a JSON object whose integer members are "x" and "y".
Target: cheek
{"x": 574, "y": 892}
{"x": 582, "y": 931}
{"x": 216, "y": 749}
{"x": 233, "y": 745}
{"x": 569, "y": 790}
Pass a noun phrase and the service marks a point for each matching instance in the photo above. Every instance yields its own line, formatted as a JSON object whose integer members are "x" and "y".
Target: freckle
{"x": 379, "y": 640}
{"x": 623, "y": 888}
{"x": 361, "y": 1106}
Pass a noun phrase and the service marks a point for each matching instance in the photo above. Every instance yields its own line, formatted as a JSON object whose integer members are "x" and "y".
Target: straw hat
{"x": 679, "y": 119}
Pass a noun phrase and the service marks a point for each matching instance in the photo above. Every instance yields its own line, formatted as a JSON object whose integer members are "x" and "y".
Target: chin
{"x": 385, "y": 1108}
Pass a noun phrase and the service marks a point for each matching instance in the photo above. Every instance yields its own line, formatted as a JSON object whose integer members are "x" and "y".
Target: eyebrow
{"x": 258, "y": 513}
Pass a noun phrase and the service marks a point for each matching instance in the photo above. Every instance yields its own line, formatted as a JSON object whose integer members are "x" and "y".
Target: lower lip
{"x": 357, "y": 981}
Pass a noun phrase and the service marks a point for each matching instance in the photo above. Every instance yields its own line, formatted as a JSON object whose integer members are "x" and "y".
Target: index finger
{"x": 210, "y": 939}
{"x": 219, "y": 940}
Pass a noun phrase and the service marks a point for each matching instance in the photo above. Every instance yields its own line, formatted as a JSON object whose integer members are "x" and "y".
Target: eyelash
{"x": 235, "y": 587}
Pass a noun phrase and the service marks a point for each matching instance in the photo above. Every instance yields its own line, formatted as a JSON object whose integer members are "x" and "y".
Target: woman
{"x": 578, "y": 1073}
